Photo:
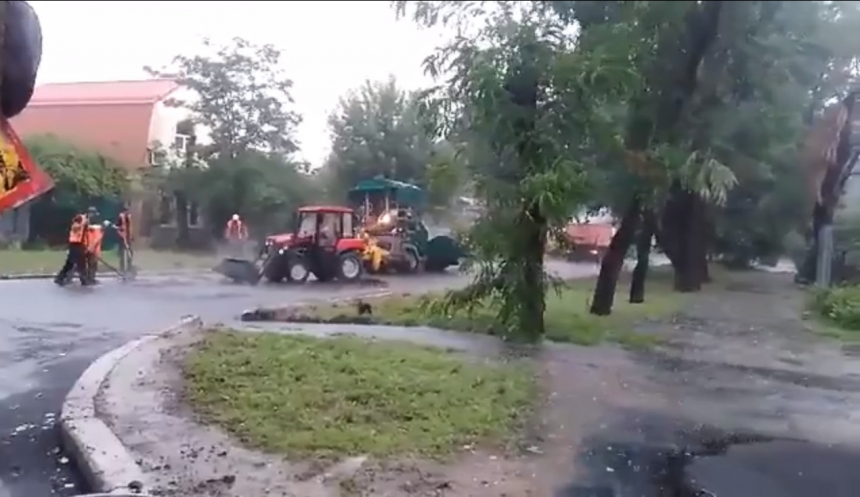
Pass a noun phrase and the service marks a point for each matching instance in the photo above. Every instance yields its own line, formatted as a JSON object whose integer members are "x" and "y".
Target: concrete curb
{"x": 280, "y": 313}
{"x": 105, "y": 463}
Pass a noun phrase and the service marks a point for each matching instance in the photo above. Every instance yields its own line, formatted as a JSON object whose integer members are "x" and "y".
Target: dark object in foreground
{"x": 364, "y": 308}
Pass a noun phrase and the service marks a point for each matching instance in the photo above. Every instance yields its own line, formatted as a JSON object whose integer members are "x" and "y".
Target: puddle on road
{"x": 634, "y": 469}
{"x": 730, "y": 466}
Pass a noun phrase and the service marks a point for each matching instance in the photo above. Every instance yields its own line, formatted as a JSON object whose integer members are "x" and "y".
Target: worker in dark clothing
{"x": 76, "y": 256}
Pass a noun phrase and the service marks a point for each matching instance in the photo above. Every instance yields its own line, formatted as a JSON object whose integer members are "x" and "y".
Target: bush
{"x": 841, "y": 305}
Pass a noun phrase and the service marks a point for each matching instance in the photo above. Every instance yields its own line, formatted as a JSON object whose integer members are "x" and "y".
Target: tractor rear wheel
{"x": 350, "y": 267}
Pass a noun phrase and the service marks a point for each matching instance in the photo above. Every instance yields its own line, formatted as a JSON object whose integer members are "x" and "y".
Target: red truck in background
{"x": 21, "y": 179}
{"x": 588, "y": 241}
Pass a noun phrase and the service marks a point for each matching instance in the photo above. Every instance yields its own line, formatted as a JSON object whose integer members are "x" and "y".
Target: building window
{"x": 193, "y": 214}
{"x": 165, "y": 210}
{"x": 180, "y": 144}
{"x": 151, "y": 158}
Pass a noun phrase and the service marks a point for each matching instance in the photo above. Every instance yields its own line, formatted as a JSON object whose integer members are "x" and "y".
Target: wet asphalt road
{"x": 49, "y": 335}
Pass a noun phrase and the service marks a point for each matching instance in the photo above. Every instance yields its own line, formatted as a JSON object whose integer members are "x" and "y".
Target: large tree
{"x": 377, "y": 130}
{"x": 241, "y": 99}
{"x": 723, "y": 87}
{"x": 527, "y": 105}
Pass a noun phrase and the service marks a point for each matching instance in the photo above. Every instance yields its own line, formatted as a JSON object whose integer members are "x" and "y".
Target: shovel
{"x": 239, "y": 270}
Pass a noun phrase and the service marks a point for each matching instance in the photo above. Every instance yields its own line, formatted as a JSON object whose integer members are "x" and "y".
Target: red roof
{"x": 112, "y": 117}
{"x": 103, "y": 92}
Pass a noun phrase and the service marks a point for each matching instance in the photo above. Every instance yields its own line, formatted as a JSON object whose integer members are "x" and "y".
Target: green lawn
{"x": 14, "y": 261}
{"x": 316, "y": 397}
{"x": 567, "y": 317}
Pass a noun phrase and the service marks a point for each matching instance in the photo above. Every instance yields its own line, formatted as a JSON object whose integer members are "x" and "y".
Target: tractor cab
{"x": 324, "y": 242}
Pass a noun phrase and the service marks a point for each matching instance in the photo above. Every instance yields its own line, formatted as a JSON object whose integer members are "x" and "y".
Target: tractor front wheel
{"x": 297, "y": 270}
{"x": 350, "y": 267}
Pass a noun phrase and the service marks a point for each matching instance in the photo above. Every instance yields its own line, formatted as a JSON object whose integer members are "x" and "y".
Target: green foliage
{"x": 378, "y": 131}
{"x": 78, "y": 174}
{"x": 242, "y": 100}
{"x": 526, "y": 104}
{"x": 840, "y": 305}
{"x": 771, "y": 65}
{"x": 242, "y": 97}
{"x": 81, "y": 177}
{"x": 265, "y": 189}
{"x": 445, "y": 177}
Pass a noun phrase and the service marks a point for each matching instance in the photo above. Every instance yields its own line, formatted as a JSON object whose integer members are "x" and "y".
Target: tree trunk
{"x": 704, "y": 243}
{"x": 183, "y": 236}
{"x": 670, "y": 235}
{"x": 643, "y": 256}
{"x": 532, "y": 298}
{"x": 688, "y": 271}
{"x": 613, "y": 261}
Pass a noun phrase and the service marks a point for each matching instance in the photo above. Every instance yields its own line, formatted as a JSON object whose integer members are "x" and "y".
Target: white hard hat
{"x": 235, "y": 217}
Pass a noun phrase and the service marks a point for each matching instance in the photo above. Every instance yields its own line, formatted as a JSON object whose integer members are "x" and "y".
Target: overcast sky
{"x": 328, "y": 47}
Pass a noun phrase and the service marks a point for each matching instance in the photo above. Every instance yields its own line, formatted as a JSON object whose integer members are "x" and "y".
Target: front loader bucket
{"x": 239, "y": 270}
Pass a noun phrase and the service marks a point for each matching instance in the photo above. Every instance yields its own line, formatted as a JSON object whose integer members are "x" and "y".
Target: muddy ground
{"x": 741, "y": 401}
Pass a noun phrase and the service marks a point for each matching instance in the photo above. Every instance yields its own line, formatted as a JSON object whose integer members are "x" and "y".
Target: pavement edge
{"x": 100, "y": 456}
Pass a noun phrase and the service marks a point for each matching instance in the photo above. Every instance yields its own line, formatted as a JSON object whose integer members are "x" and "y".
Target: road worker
{"x": 123, "y": 228}
{"x": 236, "y": 234}
{"x": 236, "y": 229}
{"x": 95, "y": 235}
{"x": 76, "y": 256}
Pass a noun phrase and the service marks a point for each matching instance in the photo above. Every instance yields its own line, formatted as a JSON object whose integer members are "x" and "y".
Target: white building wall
{"x": 162, "y": 126}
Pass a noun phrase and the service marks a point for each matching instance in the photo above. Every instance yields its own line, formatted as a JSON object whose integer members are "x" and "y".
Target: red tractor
{"x": 325, "y": 243}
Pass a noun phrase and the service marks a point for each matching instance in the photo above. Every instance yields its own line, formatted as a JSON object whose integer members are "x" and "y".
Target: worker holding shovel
{"x": 123, "y": 228}
{"x": 95, "y": 235}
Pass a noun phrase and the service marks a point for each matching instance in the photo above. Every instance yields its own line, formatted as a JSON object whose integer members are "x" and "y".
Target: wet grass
{"x": 312, "y": 397}
{"x": 49, "y": 261}
{"x": 567, "y": 316}
{"x": 833, "y": 312}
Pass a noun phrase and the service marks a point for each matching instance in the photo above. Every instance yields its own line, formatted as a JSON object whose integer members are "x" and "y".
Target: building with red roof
{"x": 123, "y": 120}
{"x": 120, "y": 119}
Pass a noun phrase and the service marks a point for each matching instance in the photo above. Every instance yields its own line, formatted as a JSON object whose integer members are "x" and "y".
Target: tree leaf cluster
{"x": 79, "y": 174}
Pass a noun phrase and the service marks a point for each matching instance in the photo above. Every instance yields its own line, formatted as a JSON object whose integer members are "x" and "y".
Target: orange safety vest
{"x": 236, "y": 230}
{"x": 94, "y": 239}
{"x": 78, "y": 231}
{"x": 124, "y": 227}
